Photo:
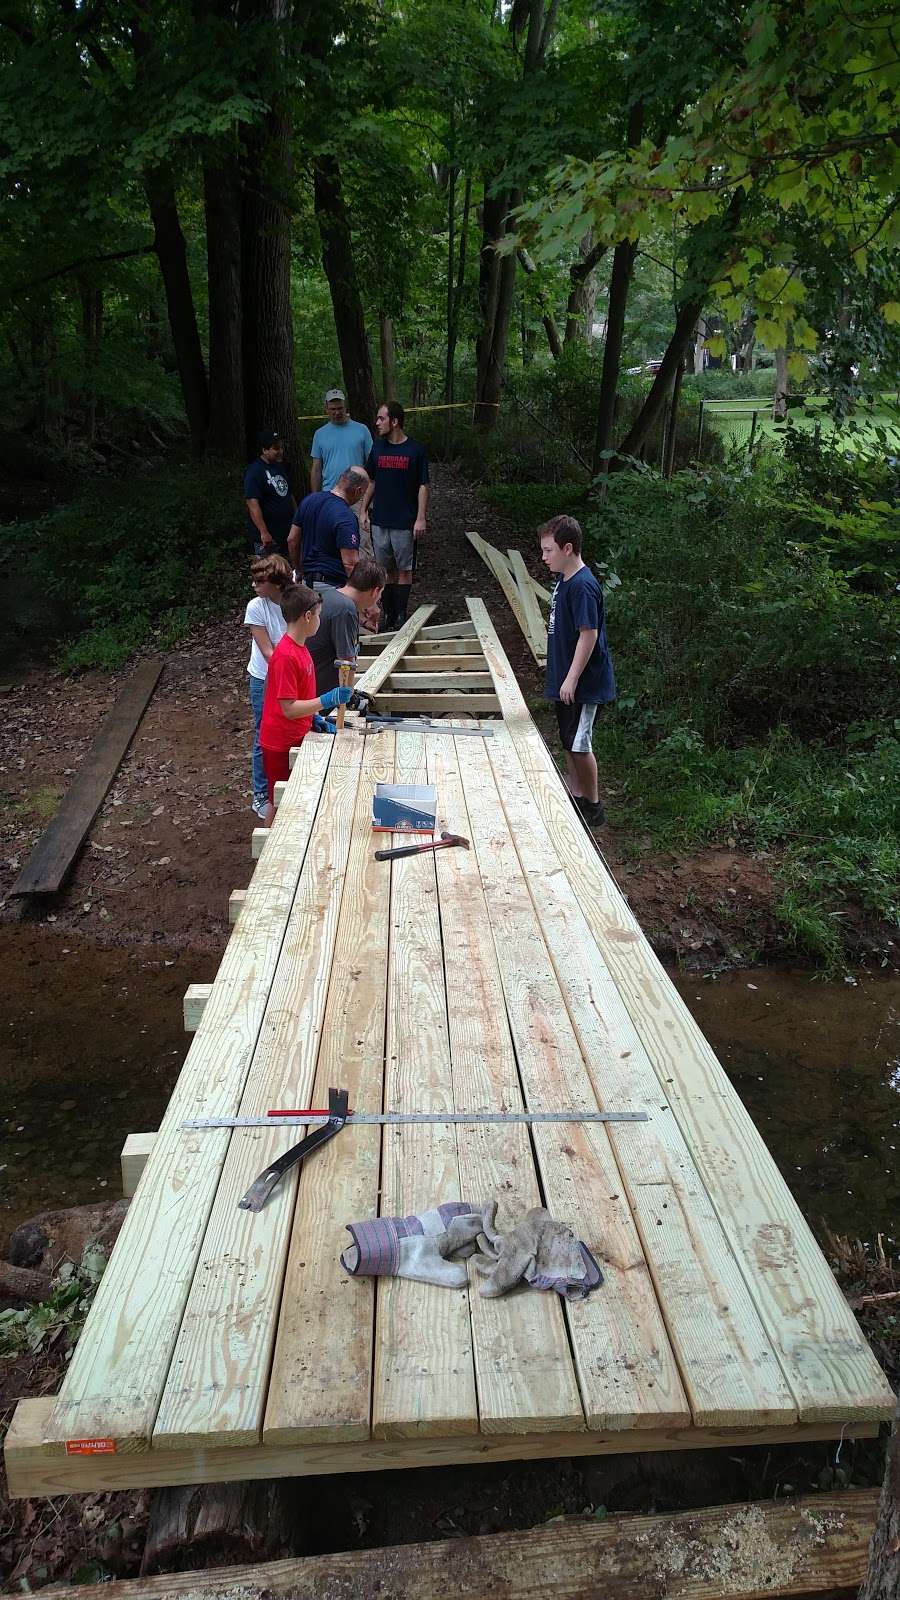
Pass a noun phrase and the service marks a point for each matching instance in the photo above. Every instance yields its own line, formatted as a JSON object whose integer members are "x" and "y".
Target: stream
{"x": 91, "y": 1043}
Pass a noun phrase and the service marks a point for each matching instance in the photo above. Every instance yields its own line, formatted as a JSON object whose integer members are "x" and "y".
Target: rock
{"x": 45, "y": 1241}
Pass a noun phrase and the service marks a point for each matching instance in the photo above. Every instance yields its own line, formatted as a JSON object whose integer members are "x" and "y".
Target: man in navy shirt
{"x": 324, "y": 539}
{"x": 579, "y": 674}
{"x": 270, "y": 502}
{"x": 398, "y": 468}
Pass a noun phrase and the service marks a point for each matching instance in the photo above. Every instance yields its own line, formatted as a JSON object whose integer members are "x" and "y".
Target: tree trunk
{"x": 582, "y": 299}
{"x": 496, "y": 287}
{"x": 337, "y": 260}
{"x": 453, "y": 325}
{"x": 222, "y": 200}
{"x": 655, "y": 403}
{"x": 547, "y": 316}
{"x": 782, "y": 386}
{"x": 619, "y": 283}
{"x": 91, "y": 329}
{"x": 211, "y": 1524}
{"x": 267, "y": 343}
{"x": 171, "y": 253}
{"x": 882, "y": 1580}
{"x": 700, "y": 335}
{"x": 669, "y": 455}
{"x": 388, "y": 362}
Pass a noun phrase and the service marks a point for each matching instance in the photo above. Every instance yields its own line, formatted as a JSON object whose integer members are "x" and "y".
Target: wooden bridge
{"x": 225, "y": 1344}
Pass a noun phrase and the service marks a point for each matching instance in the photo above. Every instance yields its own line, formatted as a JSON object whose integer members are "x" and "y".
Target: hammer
{"x": 346, "y": 673}
{"x": 446, "y": 842}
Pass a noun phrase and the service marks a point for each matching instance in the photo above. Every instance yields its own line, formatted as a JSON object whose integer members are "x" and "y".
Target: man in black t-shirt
{"x": 398, "y": 469}
{"x": 270, "y": 501}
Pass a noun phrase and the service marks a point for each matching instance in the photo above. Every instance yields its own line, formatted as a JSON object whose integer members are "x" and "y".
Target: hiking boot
{"x": 592, "y": 811}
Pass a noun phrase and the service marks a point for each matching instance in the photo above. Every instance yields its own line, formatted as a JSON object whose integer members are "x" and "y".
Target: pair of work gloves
{"x": 434, "y": 1246}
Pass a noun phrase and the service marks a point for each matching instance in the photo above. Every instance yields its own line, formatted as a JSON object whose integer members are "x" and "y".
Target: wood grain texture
{"x": 36, "y": 1468}
{"x": 113, "y": 1385}
{"x": 626, "y": 1369}
{"x": 135, "y": 1155}
{"x": 731, "y": 1374}
{"x": 523, "y": 1365}
{"x": 424, "y": 647}
{"x": 219, "y": 1371}
{"x": 52, "y": 858}
{"x": 372, "y": 679}
{"x": 497, "y": 563}
{"x": 193, "y": 1005}
{"x": 320, "y": 1387}
{"x": 748, "y": 1552}
{"x": 424, "y": 1380}
{"x": 235, "y": 904}
{"x": 537, "y": 627}
{"x": 410, "y": 682}
{"x": 467, "y": 703}
{"x": 831, "y": 1369}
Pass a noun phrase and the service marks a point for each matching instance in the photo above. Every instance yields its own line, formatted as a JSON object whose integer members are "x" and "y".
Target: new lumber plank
{"x": 424, "y": 1380}
{"x": 135, "y": 1155}
{"x": 52, "y": 858}
{"x": 220, "y": 1365}
{"x": 36, "y": 1468}
{"x": 473, "y": 661}
{"x": 728, "y": 1366}
{"x": 113, "y": 1386}
{"x": 752, "y": 1551}
{"x": 320, "y": 1388}
{"x": 537, "y": 627}
{"x": 831, "y": 1369}
{"x": 464, "y": 704}
{"x": 407, "y": 682}
{"x": 497, "y": 563}
{"x": 523, "y": 1365}
{"x": 626, "y": 1367}
{"x": 193, "y": 1005}
{"x": 374, "y": 676}
{"x": 236, "y": 904}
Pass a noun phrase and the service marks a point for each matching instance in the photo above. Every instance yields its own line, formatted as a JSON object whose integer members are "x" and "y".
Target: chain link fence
{"x": 732, "y": 428}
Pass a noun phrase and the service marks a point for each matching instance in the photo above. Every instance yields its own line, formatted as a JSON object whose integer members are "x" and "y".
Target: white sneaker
{"x": 260, "y": 806}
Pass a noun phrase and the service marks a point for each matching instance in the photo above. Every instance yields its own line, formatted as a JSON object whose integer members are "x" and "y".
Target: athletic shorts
{"x": 575, "y": 725}
{"x": 394, "y": 547}
{"x": 277, "y": 767}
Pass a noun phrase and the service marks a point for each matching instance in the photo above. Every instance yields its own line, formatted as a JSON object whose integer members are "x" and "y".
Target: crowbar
{"x": 261, "y": 1187}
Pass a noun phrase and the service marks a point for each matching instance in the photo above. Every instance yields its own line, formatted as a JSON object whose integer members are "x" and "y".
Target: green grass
{"x": 732, "y": 420}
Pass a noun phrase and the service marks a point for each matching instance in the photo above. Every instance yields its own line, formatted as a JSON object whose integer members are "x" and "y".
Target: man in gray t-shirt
{"x": 337, "y": 636}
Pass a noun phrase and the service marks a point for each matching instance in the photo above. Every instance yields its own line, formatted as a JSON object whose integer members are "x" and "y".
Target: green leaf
{"x": 891, "y": 311}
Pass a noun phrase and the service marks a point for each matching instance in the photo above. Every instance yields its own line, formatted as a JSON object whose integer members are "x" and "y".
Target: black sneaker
{"x": 592, "y": 811}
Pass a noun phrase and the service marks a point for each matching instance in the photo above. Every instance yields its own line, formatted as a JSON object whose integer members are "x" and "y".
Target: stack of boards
{"x": 521, "y": 590}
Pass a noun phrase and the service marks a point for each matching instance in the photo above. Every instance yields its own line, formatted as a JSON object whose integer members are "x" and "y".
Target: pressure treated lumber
{"x": 497, "y": 563}
{"x": 423, "y": 1378}
{"x": 135, "y": 1155}
{"x": 220, "y": 1364}
{"x": 832, "y": 1372}
{"x": 52, "y": 858}
{"x": 754, "y": 1551}
{"x": 427, "y": 647}
{"x": 473, "y": 661}
{"x": 113, "y": 1385}
{"x": 259, "y": 836}
{"x": 464, "y": 704}
{"x": 36, "y": 1468}
{"x": 524, "y": 578}
{"x": 537, "y": 627}
{"x": 320, "y": 1387}
{"x": 236, "y": 903}
{"x": 407, "y": 682}
{"x": 372, "y": 679}
{"x": 523, "y": 1365}
{"x": 194, "y": 1004}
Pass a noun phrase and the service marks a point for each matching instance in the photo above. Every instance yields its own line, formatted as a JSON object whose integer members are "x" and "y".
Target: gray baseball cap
{"x": 335, "y": 394}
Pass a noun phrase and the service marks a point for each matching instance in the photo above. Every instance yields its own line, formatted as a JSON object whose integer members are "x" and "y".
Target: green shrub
{"x": 720, "y": 383}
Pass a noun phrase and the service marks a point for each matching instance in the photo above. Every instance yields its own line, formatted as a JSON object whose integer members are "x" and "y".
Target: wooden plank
{"x": 220, "y": 1365}
{"x": 372, "y": 679}
{"x": 523, "y": 1365}
{"x": 626, "y": 1368}
{"x": 35, "y": 1467}
{"x": 537, "y": 627}
{"x": 729, "y": 1370}
{"x": 831, "y": 1369}
{"x": 443, "y": 630}
{"x": 113, "y": 1385}
{"x": 320, "y": 1388}
{"x": 423, "y": 1379}
{"x": 193, "y": 1004}
{"x": 463, "y": 704}
{"x": 499, "y": 566}
{"x": 445, "y": 647}
{"x": 259, "y": 837}
{"x": 752, "y": 1551}
{"x": 135, "y": 1155}
{"x": 51, "y": 860}
{"x": 473, "y": 661}
{"x": 236, "y": 903}
{"x": 410, "y": 682}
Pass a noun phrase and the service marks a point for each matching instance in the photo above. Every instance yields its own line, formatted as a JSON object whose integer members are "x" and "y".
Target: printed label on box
{"x": 90, "y": 1447}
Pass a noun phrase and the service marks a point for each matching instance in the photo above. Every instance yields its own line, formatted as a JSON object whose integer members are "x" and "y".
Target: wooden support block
{"x": 278, "y": 791}
{"x": 438, "y": 705}
{"x": 235, "y": 902}
{"x": 370, "y": 681}
{"x": 195, "y": 998}
{"x": 135, "y": 1152}
{"x": 257, "y": 841}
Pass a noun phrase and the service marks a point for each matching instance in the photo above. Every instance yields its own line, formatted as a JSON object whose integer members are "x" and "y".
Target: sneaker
{"x": 260, "y": 803}
{"x": 592, "y": 812}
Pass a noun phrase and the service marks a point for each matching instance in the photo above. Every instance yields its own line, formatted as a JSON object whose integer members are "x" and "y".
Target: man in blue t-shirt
{"x": 579, "y": 674}
{"x": 324, "y": 539}
{"x": 398, "y": 494}
{"x": 339, "y": 444}
{"x": 270, "y": 501}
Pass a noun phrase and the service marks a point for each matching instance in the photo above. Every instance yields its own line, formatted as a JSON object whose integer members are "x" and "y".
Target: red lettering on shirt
{"x": 393, "y": 461}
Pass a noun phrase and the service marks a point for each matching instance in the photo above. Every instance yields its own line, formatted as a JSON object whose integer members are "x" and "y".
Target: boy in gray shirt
{"x": 337, "y": 638}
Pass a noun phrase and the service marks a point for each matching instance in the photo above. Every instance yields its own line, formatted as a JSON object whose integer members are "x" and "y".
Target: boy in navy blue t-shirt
{"x": 579, "y": 674}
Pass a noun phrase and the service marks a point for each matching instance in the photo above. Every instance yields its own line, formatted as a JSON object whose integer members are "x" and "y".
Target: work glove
{"x": 322, "y": 725}
{"x": 335, "y": 697}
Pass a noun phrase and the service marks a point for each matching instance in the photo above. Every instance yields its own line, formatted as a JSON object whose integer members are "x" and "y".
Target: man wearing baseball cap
{"x": 340, "y": 443}
{"x": 270, "y": 500}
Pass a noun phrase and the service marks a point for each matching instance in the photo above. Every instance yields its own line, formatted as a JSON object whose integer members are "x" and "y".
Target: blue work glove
{"x": 322, "y": 725}
{"x": 335, "y": 697}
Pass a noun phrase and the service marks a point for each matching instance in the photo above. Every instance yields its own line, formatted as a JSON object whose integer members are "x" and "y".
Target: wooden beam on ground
{"x": 372, "y": 679}
{"x": 52, "y": 858}
{"x": 196, "y": 996}
{"x": 497, "y": 563}
{"x": 754, "y": 1551}
{"x": 134, "y": 1158}
{"x": 409, "y": 682}
{"x": 438, "y": 705}
{"x": 235, "y": 903}
{"x": 537, "y": 627}
{"x": 515, "y": 556}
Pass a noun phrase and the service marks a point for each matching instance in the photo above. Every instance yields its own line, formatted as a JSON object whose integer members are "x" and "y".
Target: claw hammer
{"x": 346, "y": 674}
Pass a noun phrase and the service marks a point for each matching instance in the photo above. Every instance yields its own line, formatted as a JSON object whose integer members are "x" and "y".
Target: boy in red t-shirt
{"x": 291, "y": 701}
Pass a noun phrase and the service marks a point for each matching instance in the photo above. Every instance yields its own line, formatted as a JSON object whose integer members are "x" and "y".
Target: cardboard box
{"x": 404, "y": 808}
